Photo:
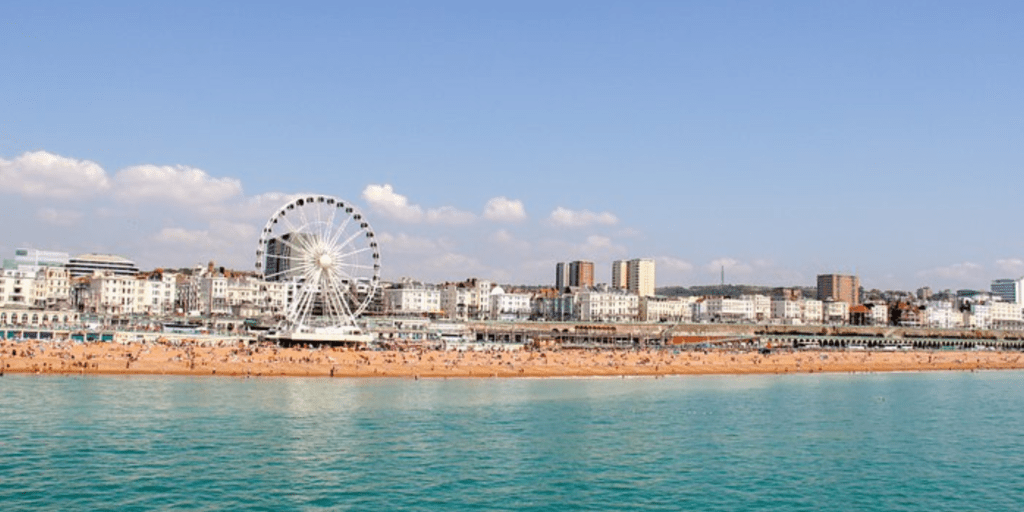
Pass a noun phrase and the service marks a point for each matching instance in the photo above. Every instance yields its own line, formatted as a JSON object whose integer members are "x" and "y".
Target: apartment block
{"x": 839, "y": 288}
{"x": 579, "y": 274}
{"x": 641, "y": 277}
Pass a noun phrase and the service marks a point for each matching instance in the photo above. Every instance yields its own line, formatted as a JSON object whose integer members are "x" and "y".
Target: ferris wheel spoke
{"x": 301, "y": 259}
{"x": 288, "y": 223}
{"x": 293, "y": 246}
{"x": 324, "y": 227}
{"x": 301, "y": 266}
{"x": 296, "y": 240}
{"x": 340, "y": 297}
{"x": 349, "y": 240}
{"x": 348, "y": 274}
{"x": 302, "y": 214}
{"x": 306, "y": 302}
{"x": 290, "y": 272}
{"x": 346, "y": 295}
{"x": 307, "y": 242}
{"x": 330, "y": 223}
{"x": 342, "y": 228}
{"x": 309, "y": 226}
{"x": 358, "y": 306}
{"x": 331, "y": 300}
{"x": 352, "y": 253}
{"x": 298, "y": 302}
{"x": 356, "y": 265}
{"x": 341, "y": 275}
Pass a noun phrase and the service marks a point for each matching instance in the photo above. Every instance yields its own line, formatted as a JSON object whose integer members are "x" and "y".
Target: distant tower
{"x": 620, "y": 274}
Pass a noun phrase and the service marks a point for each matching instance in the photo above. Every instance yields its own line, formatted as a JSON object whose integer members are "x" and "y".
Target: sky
{"x": 774, "y": 140}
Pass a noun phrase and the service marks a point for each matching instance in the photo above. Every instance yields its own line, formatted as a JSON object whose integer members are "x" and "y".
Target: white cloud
{"x": 731, "y": 266}
{"x": 454, "y": 264}
{"x": 384, "y": 200}
{"x": 1012, "y": 266}
{"x": 234, "y": 231}
{"x": 503, "y": 238}
{"x": 175, "y": 184}
{"x": 55, "y": 217}
{"x": 564, "y": 217}
{"x": 256, "y": 208}
{"x": 42, "y": 174}
{"x": 219, "y": 234}
{"x": 673, "y": 264}
{"x": 403, "y": 243}
{"x": 181, "y": 236}
{"x": 599, "y": 248}
{"x": 960, "y": 272}
{"x": 449, "y": 215}
{"x": 503, "y": 209}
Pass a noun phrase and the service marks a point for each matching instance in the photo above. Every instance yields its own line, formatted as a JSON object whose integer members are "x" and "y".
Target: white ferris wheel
{"x": 325, "y": 252}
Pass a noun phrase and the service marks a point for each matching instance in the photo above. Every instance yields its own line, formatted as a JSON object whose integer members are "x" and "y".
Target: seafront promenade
{"x": 241, "y": 360}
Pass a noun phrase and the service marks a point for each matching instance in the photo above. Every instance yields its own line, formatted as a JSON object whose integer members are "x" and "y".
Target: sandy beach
{"x": 265, "y": 361}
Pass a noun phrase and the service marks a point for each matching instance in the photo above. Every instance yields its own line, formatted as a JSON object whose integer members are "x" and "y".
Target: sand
{"x": 159, "y": 359}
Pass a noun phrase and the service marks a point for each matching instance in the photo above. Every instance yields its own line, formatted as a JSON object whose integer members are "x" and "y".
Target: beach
{"x": 65, "y": 357}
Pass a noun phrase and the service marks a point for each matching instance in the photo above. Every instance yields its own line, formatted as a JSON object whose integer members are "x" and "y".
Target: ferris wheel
{"x": 326, "y": 254}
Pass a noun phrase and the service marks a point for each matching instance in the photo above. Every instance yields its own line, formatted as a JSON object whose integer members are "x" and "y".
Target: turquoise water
{"x": 900, "y": 442}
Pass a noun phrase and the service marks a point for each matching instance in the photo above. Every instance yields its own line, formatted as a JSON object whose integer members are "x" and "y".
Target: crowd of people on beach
{"x": 196, "y": 357}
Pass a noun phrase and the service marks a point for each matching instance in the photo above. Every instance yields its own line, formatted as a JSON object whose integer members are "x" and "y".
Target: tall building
{"x": 839, "y": 288}
{"x": 1010, "y": 290}
{"x": 574, "y": 273}
{"x": 620, "y": 274}
{"x": 561, "y": 276}
{"x": 641, "y": 277}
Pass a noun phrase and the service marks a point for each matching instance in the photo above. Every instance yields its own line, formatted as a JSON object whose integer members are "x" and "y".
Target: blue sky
{"x": 493, "y": 139}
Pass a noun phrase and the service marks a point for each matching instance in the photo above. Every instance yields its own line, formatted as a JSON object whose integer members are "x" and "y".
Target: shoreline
{"x": 70, "y": 358}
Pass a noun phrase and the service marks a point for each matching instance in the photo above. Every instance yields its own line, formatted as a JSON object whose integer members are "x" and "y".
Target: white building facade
{"x": 835, "y": 312}
{"x": 412, "y": 298}
{"x": 607, "y": 306}
{"x": 728, "y": 310}
{"x": 509, "y": 306}
{"x": 666, "y": 309}
{"x": 787, "y": 312}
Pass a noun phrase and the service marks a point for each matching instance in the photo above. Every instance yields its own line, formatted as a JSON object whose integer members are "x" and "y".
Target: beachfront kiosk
{"x": 325, "y": 253}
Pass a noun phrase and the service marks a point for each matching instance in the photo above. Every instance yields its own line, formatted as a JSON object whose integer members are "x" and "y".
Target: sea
{"x": 930, "y": 442}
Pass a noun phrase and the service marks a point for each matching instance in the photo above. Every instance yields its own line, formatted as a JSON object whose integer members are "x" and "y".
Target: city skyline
{"x": 776, "y": 142}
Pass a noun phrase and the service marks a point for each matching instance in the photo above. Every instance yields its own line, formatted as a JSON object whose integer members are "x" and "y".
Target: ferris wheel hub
{"x": 325, "y": 261}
